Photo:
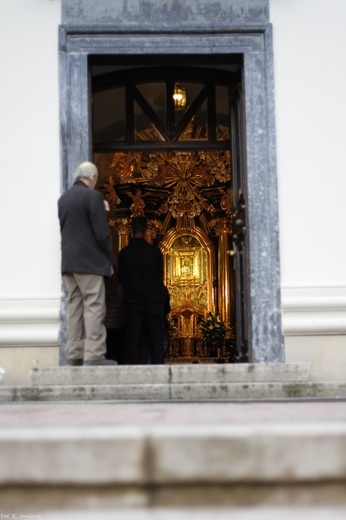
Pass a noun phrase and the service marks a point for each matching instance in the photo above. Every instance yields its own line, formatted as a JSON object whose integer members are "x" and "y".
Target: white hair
{"x": 86, "y": 170}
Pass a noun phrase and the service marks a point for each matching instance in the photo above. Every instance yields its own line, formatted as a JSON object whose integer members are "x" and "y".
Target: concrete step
{"x": 171, "y": 374}
{"x": 173, "y": 383}
{"x": 174, "y": 392}
{"x": 172, "y": 465}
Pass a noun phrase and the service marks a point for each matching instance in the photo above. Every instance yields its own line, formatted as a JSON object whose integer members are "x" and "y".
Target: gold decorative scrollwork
{"x": 154, "y": 229}
{"x": 138, "y": 204}
{"x": 185, "y": 173}
{"x": 186, "y": 272}
{"x": 122, "y": 225}
{"x": 189, "y": 200}
{"x": 226, "y": 202}
{"x": 221, "y": 226}
{"x": 111, "y": 194}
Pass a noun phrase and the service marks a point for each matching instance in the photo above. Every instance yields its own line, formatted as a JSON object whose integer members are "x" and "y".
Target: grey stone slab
{"x": 256, "y": 453}
{"x": 237, "y": 39}
{"x": 99, "y": 375}
{"x": 156, "y": 13}
{"x": 64, "y": 456}
{"x": 174, "y": 392}
{"x": 257, "y": 391}
{"x": 86, "y": 393}
{"x": 84, "y": 414}
{"x": 247, "y": 372}
{"x": 172, "y": 455}
{"x": 170, "y": 374}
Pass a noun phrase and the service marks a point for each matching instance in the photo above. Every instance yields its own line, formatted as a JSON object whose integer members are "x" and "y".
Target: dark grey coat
{"x": 85, "y": 237}
{"x": 141, "y": 272}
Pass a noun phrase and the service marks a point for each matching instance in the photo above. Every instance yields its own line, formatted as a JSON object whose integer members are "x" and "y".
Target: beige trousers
{"x": 86, "y": 310}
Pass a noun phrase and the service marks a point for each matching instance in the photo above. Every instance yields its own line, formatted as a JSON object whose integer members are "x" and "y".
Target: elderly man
{"x": 86, "y": 259}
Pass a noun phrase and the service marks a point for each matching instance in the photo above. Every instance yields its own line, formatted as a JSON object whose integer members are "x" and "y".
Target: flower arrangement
{"x": 213, "y": 329}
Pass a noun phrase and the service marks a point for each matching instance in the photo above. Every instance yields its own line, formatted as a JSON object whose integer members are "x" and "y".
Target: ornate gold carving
{"x": 125, "y": 164}
{"x": 221, "y": 226}
{"x": 111, "y": 194}
{"x": 184, "y": 173}
{"x": 194, "y": 182}
{"x": 154, "y": 229}
{"x": 186, "y": 273}
{"x": 138, "y": 204}
{"x": 226, "y": 202}
{"x": 122, "y": 225}
{"x": 193, "y": 295}
{"x": 123, "y": 229}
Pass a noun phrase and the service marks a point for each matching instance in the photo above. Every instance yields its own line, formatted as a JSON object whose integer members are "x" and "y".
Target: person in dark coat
{"x": 86, "y": 260}
{"x": 141, "y": 274}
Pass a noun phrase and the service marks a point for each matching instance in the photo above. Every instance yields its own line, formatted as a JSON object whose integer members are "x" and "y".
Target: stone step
{"x": 171, "y": 374}
{"x": 202, "y": 464}
{"x": 173, "y": 383}
{"x": 174, "y": 392}
{"x": 177, "y": 453}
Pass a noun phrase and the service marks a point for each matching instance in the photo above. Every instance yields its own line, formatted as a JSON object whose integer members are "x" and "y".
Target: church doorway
{"x": 168, "y": 141}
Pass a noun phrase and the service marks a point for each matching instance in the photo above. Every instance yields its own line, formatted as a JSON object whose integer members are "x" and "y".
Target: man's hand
{"x": 107, "y": 208}
{"x": 112, "y": 270}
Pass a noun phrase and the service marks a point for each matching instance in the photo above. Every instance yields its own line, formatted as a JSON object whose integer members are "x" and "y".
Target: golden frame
{"x": 198, "y": 271}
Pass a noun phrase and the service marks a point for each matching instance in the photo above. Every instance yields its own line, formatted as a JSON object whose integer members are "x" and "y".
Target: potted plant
{"x": 213, "y": 331}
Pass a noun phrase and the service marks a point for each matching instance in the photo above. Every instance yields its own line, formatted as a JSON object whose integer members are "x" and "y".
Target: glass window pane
{"x": 222, "y": 114}
{"x": 197, "y": 129}
{"x": 155, "y": 95}
{"x": 144, "y": 128}
{"x": 109, "y": 115}
{"x": 184, "y": 95}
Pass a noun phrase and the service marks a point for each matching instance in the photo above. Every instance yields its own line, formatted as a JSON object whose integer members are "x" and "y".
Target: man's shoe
{"x": 95, "y": 362}
{"x": 74, "y": 362}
